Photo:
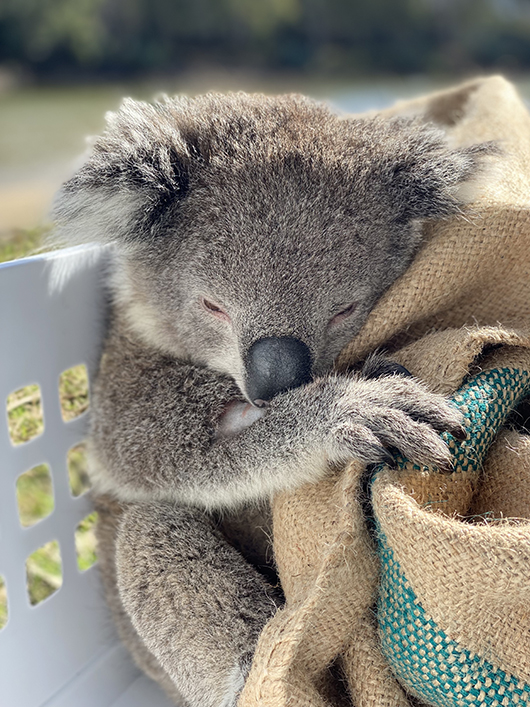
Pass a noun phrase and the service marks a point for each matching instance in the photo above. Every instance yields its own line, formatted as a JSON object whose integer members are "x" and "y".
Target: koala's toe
{"x": 415, "y": 440}
{"x": 441, "y": 415}
{"x": 426, "y": 447}
{"x": 354, "y": 441}
{"x": 413, "y": 398}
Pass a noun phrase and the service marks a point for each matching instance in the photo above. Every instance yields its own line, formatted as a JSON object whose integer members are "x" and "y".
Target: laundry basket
{"x": 63, "y": 652}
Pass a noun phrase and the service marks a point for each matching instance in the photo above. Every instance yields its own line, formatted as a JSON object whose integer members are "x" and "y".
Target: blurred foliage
{"x": 77, "y": 470}
{"x": 85, "y": 542}
{"x": 3, "y": 603}
{"x": 44, "y": 572}
{"x": 73, "y": 392}
{"x": 24, "y": 412}
{"x": 21, "y": 242}
{"x": 34, "y": 495}
{"x": 127, "y": 37}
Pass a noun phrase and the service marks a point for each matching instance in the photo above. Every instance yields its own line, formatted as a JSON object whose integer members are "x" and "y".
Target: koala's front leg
{"x": 333, "y": 420}
{"x": 196, "y": 603}
{"x": 156, "y": 422}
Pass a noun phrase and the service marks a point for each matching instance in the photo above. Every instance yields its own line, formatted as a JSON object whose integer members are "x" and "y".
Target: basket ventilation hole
{"x": 77, "y": 470}
{"x": 73, "y": 392}
{"x": 24, "y": 413}
{"x": 85, "y": 542}
{"x": 34, "y": 495}
{"x": 44, "y": 572}
{"x": 3, "y": 603}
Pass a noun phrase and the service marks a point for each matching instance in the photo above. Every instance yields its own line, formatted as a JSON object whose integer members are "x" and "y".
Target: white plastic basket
{"x": 62, "y": 652}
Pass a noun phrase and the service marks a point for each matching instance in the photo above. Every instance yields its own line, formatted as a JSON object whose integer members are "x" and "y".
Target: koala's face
{"x": 274, "y": 265}
{"x": 254, "y": 235}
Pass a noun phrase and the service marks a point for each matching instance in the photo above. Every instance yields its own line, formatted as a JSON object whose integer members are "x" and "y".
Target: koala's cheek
{"x": 324, "y": 362}
{"x": 227, "y": 362}
{"x": 236, "y": 417}
{"x": 214, "y": 347}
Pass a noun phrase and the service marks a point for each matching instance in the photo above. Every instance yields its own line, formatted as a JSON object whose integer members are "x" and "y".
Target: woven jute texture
{"x": 432, "y": 604}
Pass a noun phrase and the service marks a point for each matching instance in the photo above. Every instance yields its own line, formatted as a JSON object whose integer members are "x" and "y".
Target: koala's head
{"x": 254, "y": 234}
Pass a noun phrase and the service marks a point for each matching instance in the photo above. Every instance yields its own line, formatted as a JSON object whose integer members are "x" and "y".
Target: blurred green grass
{"x": 3, "y": 603}
{"x": 34, "y": 495}
{"x": 35, "y": 487}
{"x": 21, "y": 243}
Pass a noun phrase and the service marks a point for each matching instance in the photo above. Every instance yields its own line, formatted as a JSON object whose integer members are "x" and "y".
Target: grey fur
{"x": 292, "y": 221}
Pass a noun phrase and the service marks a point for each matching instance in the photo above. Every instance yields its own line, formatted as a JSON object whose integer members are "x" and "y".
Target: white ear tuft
{"x": 99, "y": 216}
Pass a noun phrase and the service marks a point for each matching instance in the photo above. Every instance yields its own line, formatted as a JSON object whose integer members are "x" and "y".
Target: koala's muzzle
{"x": 276, "y": 364}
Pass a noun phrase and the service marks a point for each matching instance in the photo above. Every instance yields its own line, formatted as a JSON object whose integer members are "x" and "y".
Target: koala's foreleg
{"x": 196, "y": 603}
{"x": 161, "y": 430}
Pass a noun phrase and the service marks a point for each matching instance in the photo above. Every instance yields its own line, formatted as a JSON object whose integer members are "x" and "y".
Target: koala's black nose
{"x": 276, "y": 364}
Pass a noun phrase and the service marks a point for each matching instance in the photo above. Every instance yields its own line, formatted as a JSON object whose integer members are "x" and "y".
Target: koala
{"x": 251, "y": 238}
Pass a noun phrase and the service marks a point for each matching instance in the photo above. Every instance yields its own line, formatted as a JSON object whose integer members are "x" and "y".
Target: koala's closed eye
{"x": 215, "y": 309}
{"x": 343, "y": 314}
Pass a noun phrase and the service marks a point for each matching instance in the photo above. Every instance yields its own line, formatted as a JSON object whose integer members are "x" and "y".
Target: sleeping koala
{"x": 252, "y": 236}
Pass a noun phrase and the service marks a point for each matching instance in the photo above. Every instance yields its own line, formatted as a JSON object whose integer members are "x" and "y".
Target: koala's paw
{"x": 376, "y": 417}
{"x": 378, "y": 366}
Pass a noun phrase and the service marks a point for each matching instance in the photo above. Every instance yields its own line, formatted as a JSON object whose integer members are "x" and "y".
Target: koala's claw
{"x": 361, "y": 443}
{"x": 459, "y": 433}
{"x": 423, "y": 406}
{"x": 395, "y": 413}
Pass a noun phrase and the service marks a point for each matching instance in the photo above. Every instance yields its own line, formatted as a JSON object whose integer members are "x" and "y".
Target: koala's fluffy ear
{"x": 418, "y": 173}
{"x": 136, "y": 170}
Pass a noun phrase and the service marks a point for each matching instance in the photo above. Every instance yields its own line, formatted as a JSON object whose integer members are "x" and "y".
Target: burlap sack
{"x": 452, "y": 625}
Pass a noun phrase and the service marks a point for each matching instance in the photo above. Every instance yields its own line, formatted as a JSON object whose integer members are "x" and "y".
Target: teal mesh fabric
{"x": 422, "y": 656}
{"x": 486, "y": 401}
{"x": 426, "y": 660}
